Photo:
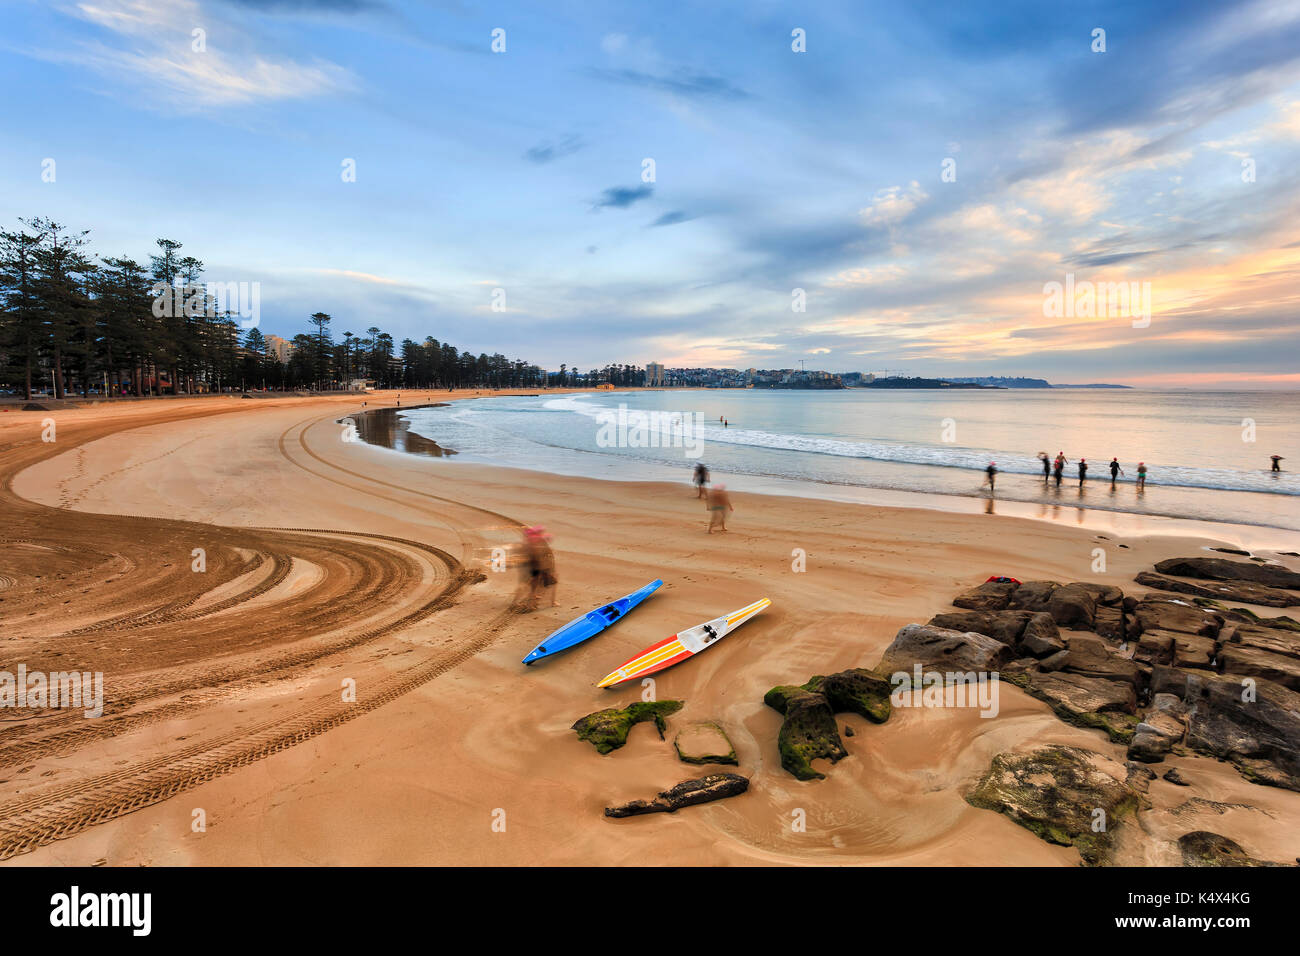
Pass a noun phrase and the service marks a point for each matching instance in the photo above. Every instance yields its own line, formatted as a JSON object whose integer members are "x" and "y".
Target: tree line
{"x": 75, "y": 323}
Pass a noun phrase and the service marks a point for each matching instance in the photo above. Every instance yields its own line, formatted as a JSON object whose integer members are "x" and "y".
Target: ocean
{"x": 1207, "y": 453}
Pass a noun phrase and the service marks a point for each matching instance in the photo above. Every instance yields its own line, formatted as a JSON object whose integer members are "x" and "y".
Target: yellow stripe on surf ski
{"x": 658, "y": 655}
{"x": 675, "y": 647}
{"x": 743, "y": 613}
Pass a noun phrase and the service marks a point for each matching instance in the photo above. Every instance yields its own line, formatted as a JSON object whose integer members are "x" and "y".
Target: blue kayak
{"x": 590, "y": 624}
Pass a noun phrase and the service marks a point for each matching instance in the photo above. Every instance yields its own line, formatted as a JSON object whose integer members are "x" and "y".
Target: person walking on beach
{"x": 719, "y": 503}
{"x": 1058, "y": 467}
{"x": 1115, "y": 469}
{"x": 992, "y": 472}
{"x": 1047, "y": 467}
{"x": 1142, "y": 475}
{"x": 539, "y": 567}
{"x": 701, "y": 479}
{"x": 1083, "y": 470}
{"x": 1275, "y": 459}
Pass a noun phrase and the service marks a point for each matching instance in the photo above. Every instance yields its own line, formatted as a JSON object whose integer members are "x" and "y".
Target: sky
{"x": 855, "y": 186}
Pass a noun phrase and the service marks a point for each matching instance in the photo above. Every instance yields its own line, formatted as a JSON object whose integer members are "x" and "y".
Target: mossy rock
{"x": 810, "y": 732}
{"x": 1203, "y": 848}
{"x": 1055, "y": 793}
{"x": 1118, "y": 726}
{"x": 705, "y": 742}
{"x": 855, "y": 691}
{"x": 607, "y": 730}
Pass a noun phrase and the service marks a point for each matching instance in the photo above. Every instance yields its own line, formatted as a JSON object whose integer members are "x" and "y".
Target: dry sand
{"x": 227, "y": 687}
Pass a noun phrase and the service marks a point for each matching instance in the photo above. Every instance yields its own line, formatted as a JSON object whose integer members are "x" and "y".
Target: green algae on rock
{"x": 809, "y": 731}
{"x": 607, "y": 730}
{"x": 705, "y": 742}
{"x": 1064, "y": 795}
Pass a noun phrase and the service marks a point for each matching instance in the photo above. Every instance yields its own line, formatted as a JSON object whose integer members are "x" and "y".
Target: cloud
{"x": 684, "y": 82}
{"x": 671, "y": 219}
{"x": 621, "y": 197}
{"x": 152, "y": 44}
{"x": 310, "y": 6}
{"x": 613, "y": 43}
{"x": 891, "y": 206}
{"x": 548, "y": 152}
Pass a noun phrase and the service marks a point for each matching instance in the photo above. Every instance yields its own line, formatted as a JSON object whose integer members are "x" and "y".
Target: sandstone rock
{"x": 1236, "y": 591}
{"x": 1169, "y": 614}
{"x": 936, "y": 648}
{"x": 1073, "y": 606}
{"x": 1176, "y": 778}
{"x": 1168, "y": 680}
{"x": 688, "y": 793}
{"x": 1221, "y": 569}
{"x": 1107, "y": 595}
{"x": 1169, "y": 704}
{"x": 1245, "y": 661}
{"x": 607, "y": 729}
{"x": 1093, "y": 657}
{"x": 1271, "y": 639}
{"x": 1155, "y": 647}
{"x": 1004, "y": 626}
{"x": 1054, "y": 792}
{"x": 1054, "y": 662}
{"x": 1260, "y": 736}
{"x": 1155, "y": 737}
{"x": 1041, "y": 637}
{"x": 990, "y": 596}
{"x": 1203, "y": 848}
{"x": 1106, "y": 705}
{"x": 1109, "y": 623}
{"x": 704, "y": 742}
{"x": 1139, "y": 776}
{"x": 1033, "y": 595}
{"x": 1191, "y": 650}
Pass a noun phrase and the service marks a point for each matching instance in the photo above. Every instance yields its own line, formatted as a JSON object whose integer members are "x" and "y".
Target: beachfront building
{"x": 654, "y": 375}
{"x": 279, "y": 349}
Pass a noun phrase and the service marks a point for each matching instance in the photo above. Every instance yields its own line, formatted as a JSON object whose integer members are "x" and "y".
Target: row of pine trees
{"x": 73, "y": 323}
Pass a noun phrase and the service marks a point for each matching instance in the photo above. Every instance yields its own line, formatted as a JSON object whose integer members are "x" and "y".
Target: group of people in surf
{"x": 1054, "y": 468}
{"x": 716, "y": 499}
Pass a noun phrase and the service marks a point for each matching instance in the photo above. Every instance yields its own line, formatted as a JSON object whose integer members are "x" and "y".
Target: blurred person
{"x": 701, "y": 479}
{"x": 719, "y": 503}
{"x": 1083, "y": 470}
{"x": 538, "y": 567}
{"x": 992, "y": 472}
{"x": 1275, "y": 459}
{"x": 1142, "y": 475}
{"x": 1115, "y": 469}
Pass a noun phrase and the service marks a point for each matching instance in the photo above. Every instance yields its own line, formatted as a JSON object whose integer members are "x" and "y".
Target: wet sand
{"x": 342, "y": 684}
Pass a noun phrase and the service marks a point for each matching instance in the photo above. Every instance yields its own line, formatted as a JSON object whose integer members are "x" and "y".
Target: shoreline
{"x": 1115, "y": 520}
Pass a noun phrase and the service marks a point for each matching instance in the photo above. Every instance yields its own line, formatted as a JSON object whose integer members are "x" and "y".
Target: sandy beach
{"x": 232, "y": 735}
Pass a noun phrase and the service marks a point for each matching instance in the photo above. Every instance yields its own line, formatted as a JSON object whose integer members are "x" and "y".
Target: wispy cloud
{"x": 671, "y": 219}
{"x": 621, "y": 197}
{"x": 175, "y": 52}
{"x": 548, "y": 152}
{"x": 684, "y": 82}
